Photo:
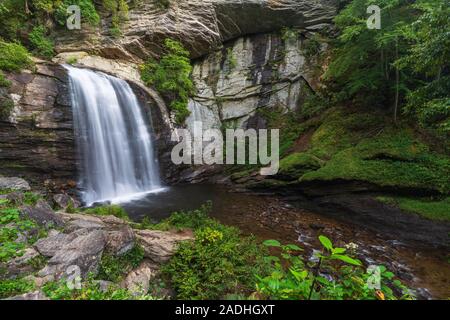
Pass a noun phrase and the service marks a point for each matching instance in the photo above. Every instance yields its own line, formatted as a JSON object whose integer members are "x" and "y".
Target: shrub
{"x": 43, "y": 46}
{"x": 217, "y": 264}
{"x": 291, "y": 279}
{"x": 13, "y": 287}
{"x": 6, "y": 106}
{"x": 171, "y": 76}
{"x": 14, "y": 57}
{"x": 112, "y": 268}
{"x": 3, "y": 81}
{"x": 88, "y": 11}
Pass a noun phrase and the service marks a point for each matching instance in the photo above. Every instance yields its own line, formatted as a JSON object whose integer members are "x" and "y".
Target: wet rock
{"x": 36, "y": 295}
{"x": 82, "y": 254}
{"x": 14, "y": 183}
{"x": 120, "y": 241}
{"x": 42, "y": 214}
{"x": 138, "y": 280}
{"x": 64, "y": 201}
{"x": 159, "y": 246}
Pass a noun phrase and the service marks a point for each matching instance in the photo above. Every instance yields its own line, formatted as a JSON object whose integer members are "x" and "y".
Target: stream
{"x": 424, "y": 269}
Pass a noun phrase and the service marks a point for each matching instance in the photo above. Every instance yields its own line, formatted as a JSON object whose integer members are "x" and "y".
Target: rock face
{"x": 268, "y": 72}
{"x": 202, "y": 25}
{"x": 36, "y": 141}
{"x": 14, "y": 184}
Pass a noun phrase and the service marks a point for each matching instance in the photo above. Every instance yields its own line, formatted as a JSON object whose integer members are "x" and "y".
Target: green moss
{"x": 428, "y": 208}
{"x": 364, "y": 146}
{"x": 394, "y": 159}
{"x": 296, "y": 164}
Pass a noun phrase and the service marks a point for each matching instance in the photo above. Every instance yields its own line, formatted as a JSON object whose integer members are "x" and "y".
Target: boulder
{"x": 14, "y": 183}
{"x": 138, "y": 280}
{"x": 42, "y": 214}
{"x": 83, "y": 253}
{"x": 120, "y": 241}
{"x": 64, "y": 201}
{"x": 159, "y": 246}
{"x": 51, "y": 245}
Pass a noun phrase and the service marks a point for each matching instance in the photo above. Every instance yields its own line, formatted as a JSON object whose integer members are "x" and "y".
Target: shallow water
{"x": 267, "y": 217}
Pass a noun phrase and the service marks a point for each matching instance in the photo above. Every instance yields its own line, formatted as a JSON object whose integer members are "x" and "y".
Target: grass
{"x": 110, "y": 210}
{"x": 438, "y": 210}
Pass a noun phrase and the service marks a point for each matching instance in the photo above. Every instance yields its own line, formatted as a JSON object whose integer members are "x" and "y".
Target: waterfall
{"x": 113, "y": 139}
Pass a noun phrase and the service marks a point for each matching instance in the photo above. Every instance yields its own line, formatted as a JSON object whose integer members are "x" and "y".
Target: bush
{"x": 13, "y": 287}
{"x": 171, "y": 76}
{"x": 217, "y": 264}
{"x": 113, "y": 268}
{"x": 14, "y": 57}
{"x": 6, "y": 106}
{"x": 43, "y": 46}
{"x": 291, "y": 279}
{"x": 3, "y": 81}
{"x": 88, "y": 11}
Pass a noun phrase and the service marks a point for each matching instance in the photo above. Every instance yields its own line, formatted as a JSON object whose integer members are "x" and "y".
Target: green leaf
{"x": 346, "y": 259}
{"x": 338, "y": 250}
{"x": 272, "y": 243}
{"x": 326, "y": 242}
{"x": 293, "y": 247}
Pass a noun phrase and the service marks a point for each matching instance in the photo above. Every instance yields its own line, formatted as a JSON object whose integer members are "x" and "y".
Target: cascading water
{"x": 113, "y": 138}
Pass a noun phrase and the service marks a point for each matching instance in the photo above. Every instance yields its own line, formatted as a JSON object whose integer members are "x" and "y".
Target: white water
{"x": 113, "y": 139}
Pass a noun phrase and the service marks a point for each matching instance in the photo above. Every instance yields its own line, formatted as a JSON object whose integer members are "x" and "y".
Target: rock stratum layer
{"x": 202, "y": 25}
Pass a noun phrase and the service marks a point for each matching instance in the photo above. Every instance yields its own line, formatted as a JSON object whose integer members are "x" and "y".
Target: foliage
{"x": 90, "y": 290}
{"x": 429, "y": 55}
{"x": 87, "y": 8}
{"x": 108, "y": 210}
{"x": 6, "y": 104}
{"x": 218, "y": 263}
{"x": 365, "y": 146}
{"x": 12, "y": 225}
{"x": 14, "y": 57}
{"x": 336, "y": 275}
{"x": 3, "y": 81}
{"x": 171, "y": 76}
{"x": 113, "y": 268}
{"x": 119, "y": 13}
{"x": 43, "y": 46}
{"x": 13, "y": 287}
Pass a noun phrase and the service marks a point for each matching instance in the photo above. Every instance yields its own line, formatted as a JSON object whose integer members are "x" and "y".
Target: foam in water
{"x": 113, "y": 139}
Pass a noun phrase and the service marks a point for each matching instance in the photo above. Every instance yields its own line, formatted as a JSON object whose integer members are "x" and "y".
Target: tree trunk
{"x": 397, "y": 82}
